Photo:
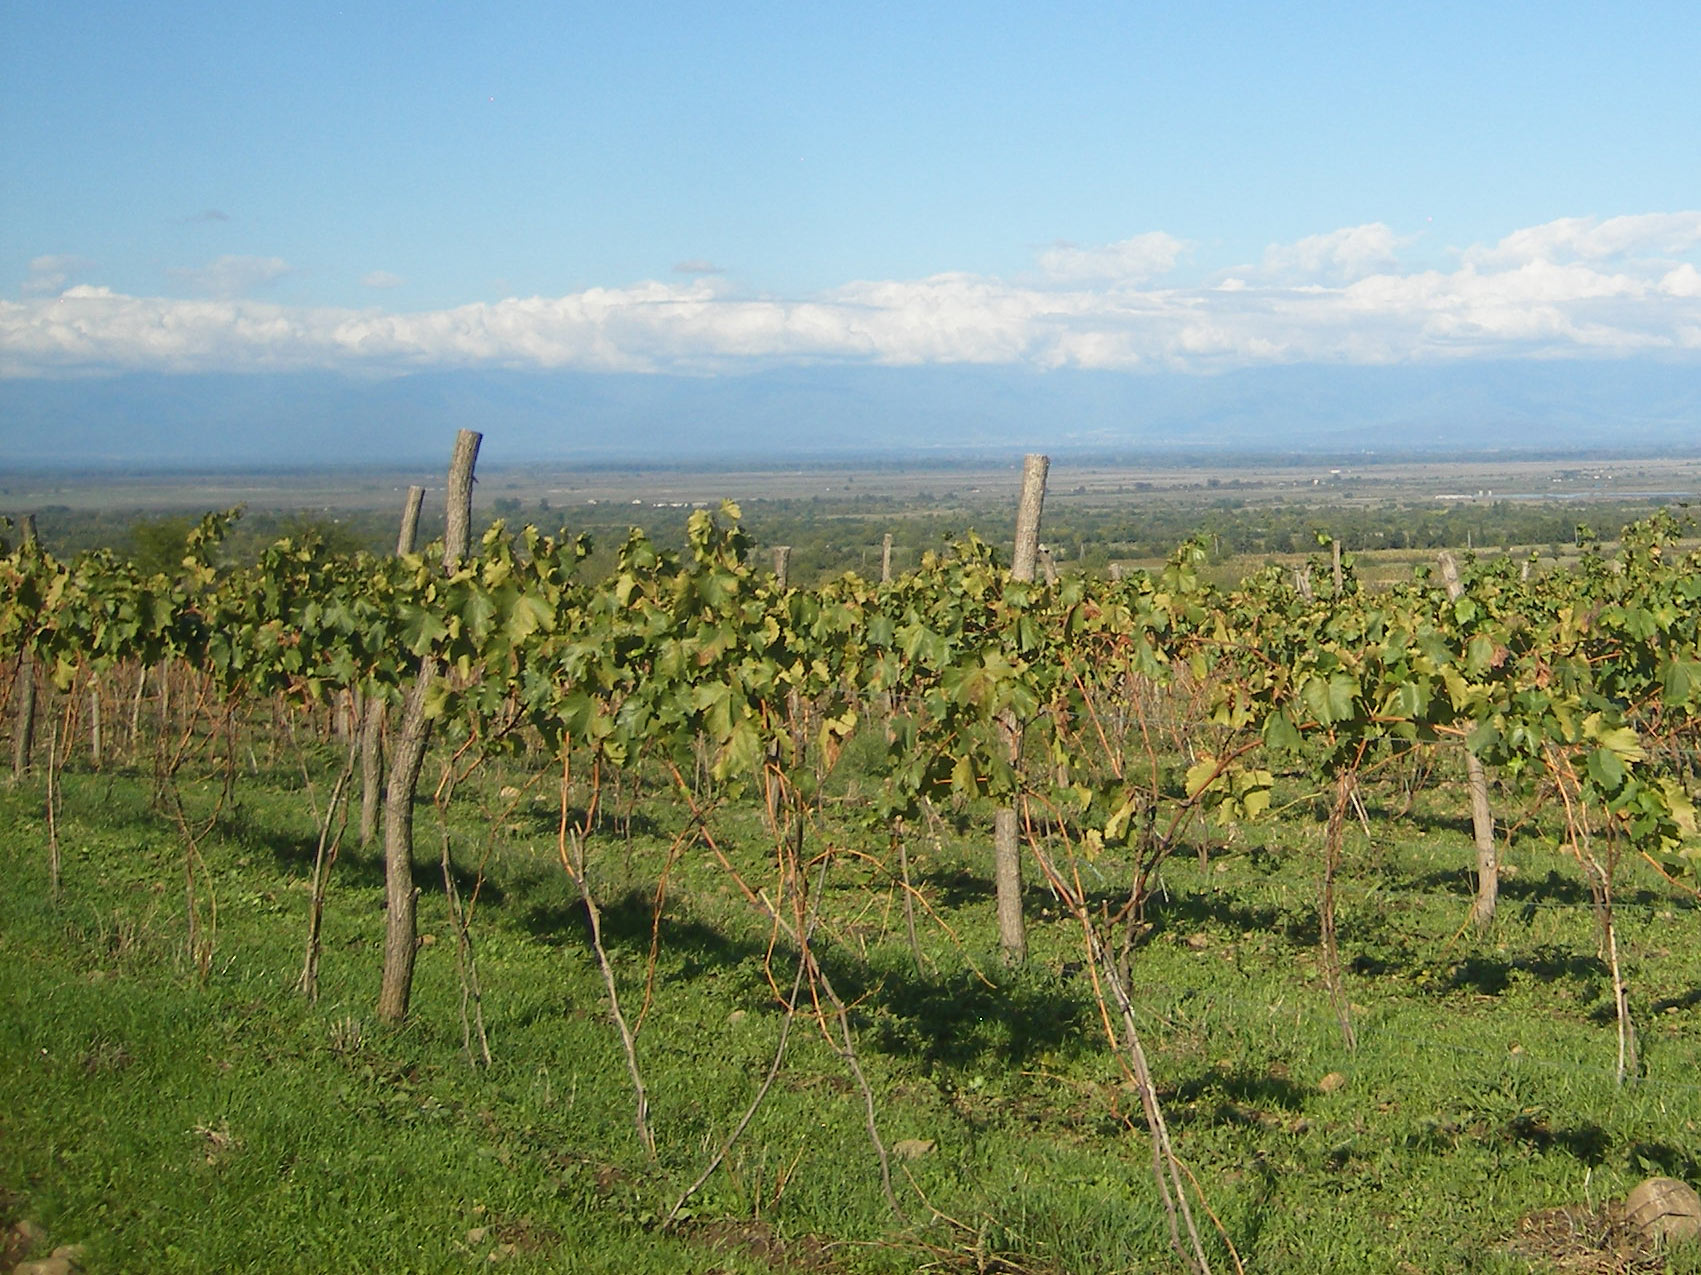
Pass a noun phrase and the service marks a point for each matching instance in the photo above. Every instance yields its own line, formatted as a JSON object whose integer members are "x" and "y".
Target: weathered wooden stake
{"x": 782, "y": 564}
{"x": 886, "y": 558}
{"x": 401, "y": 937}
{"x": 1006, "y": 846}
{"x": 1028, "y": 510}
{"x": 1476, "y": 783}
{"x": 23, "y": 723}
{"x": 409, "y": 535}
{"x": 372, "y": 727}
{"x": 94, "y": 722}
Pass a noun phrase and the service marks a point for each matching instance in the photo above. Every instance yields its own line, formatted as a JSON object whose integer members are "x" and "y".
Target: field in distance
{"x": 835, "y": 516}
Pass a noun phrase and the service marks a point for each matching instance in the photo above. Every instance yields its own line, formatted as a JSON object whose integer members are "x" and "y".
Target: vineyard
{"x": 962, "y": 920}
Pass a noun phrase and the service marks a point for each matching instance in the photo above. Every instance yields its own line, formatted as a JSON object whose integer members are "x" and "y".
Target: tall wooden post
{"x": 401, "y": 929}
{"x": 95, "y": 732}
{"x": 1028, "y": 510}
{"x": 1006, "y": 845}
{"x": 372, "y": 727}
{"x": 408, "y": 536}
{"x": 886, "y": 558}
{"x": 782, "y": 564}
{"x": 1476, "y": 783}
{"x": 23, "y": 721}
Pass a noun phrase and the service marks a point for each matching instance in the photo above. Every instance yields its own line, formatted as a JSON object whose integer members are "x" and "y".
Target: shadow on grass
{"x": 1587, "y": 1142}
{"x": 1483, "y": 975}
{"x": 948, "y": 889}
{"x": 295, "y": 855}
{"x": 1657, "y": 1159}
{"x": 1683, "y": 1000}
{"x": 1234, "y": 1095}
{"x": 1190, "y": 912}
{"x": 610, "y": 823}
{"x": 1424, "y": 821}
{"x": 952, "y": 1020}
{"x": 956, "y": 1020}
{"x": 1524, "y": 895}
{"x": 357, "y": 865}
{"x": 1492, "y": 975}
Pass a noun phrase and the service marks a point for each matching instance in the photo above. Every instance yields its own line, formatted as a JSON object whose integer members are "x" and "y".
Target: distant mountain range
{"x": 823, "y": 412}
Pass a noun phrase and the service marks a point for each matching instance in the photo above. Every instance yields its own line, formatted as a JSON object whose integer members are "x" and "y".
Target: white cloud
{"x": 1569, "y": 289}
{"x": 1685, "y": 281}
{"x": 231, "y": 276}
{"x": 1591, "y": 239}
{"x": 1340, "y": 256}
{"x": 381, "y": 279}
{"x": 1131, "y": 261}
{"x": 49, "y": 275}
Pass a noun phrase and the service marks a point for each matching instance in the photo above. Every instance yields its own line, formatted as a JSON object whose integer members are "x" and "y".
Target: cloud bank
{"x": 1622, "y": 286}
{"x": 231, "y": 276}
{"x": 50, "y": 275}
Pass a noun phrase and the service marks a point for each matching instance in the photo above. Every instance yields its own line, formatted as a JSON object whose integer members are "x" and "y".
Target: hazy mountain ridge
{"x": 823, "y": 411}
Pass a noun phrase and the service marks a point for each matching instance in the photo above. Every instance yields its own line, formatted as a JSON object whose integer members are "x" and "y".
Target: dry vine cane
{"x": 466, "y": 961}
{"x": 1598, "y": 877}
{"x": 324, "y": 859}
{"x": 836, "y": 1032}
{"x": 743, "y": 1123}
{"x": 1167, "y": 1169}
{"x": 570, "y": 845}
{"x": 1334, "y": 832}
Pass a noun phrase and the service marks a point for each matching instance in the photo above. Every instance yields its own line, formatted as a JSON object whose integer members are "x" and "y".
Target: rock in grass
{"x": 65, "y": 1261}
{"x": 1664, "y": 1209}
{"x": 1333, "y": 1081}
{"x": 27, "y": 1234}
{"x": 913, "y": 1148}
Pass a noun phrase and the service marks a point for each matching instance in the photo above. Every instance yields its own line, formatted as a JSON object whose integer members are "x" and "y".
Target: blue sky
{"x": 382, "y": 188}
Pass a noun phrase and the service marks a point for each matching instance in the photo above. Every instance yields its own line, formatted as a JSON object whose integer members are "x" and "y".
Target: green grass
{"x": 172, "y": 1123}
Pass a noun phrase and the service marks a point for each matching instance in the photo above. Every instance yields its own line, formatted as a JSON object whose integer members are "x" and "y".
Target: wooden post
{"x": 1006, "y": 845}
{"x": 372, "y": 726}
{"x": 886, "y": 558}
{"x": 94, "y": 722}
{"x": 1028, "y": 510}
{"x": 401, "y": 931}
{"x": 1340, "y": 576}
{"x": 23, "y": 721}
{"x": 1476, "y": 783}
{"x": 782, "y": 564}
{"x": 409, "y": 535}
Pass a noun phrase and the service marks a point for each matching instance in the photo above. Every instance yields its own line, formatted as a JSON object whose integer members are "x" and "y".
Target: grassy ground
{"x": 175, "y": 1123}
